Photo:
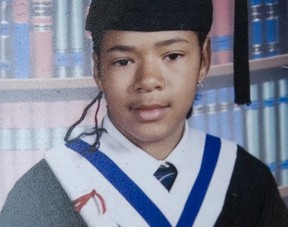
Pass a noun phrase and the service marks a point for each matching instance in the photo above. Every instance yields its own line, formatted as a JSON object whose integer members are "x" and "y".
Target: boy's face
{"x": 149, "y": 80}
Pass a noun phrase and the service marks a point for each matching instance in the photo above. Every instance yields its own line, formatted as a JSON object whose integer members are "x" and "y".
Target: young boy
{"x": 149, "y": 57}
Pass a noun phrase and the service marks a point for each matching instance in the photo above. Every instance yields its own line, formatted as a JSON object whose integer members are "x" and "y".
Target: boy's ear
{"x": 205, "y": 59}
{"x": 96, "y": 71}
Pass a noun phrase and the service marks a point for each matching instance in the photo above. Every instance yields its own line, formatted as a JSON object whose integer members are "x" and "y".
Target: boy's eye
{"x": 122, "y": 62}
{"x": 173, "y": 56}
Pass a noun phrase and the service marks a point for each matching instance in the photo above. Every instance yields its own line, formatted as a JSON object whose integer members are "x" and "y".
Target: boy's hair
{"x": 96, "y": 130}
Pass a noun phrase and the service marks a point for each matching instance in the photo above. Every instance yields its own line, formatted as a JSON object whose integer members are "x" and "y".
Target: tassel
{"x": 241, "y": 53}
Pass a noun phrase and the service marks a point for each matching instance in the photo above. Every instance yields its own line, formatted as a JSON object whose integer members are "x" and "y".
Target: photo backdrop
{"x": 45, "y": 82}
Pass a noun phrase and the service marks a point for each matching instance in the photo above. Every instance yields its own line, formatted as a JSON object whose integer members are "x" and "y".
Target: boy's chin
{"x": 150, "y": 134}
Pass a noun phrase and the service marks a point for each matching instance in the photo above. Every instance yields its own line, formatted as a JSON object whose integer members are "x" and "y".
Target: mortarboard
{"x": 160, "y": 15}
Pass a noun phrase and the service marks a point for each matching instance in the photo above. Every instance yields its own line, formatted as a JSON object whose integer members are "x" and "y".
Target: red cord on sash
{"x": 80, "y": 202}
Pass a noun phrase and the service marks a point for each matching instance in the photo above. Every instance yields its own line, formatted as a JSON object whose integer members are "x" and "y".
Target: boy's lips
{"x": 148, "y": 113}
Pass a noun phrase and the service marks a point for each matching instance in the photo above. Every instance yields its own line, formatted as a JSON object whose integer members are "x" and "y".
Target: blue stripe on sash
{"x": 198, "y": 192}
{"x": 133, "y": 194}
{"x": 138, "y": 199}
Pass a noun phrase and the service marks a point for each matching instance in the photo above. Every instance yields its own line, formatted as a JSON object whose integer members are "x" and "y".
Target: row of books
{"x": 267, "y": 121}
{"x": 267, "y": 29}
{"x": 46, "y": 38}
{"x": 41, "y": 125}
{"x": 266, "y": 19}
{"x": 261, "y": 128}
{"x": 222, "y": 31}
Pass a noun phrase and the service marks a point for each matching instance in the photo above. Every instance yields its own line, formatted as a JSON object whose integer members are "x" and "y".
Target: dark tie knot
{"x": 166, "y": 174}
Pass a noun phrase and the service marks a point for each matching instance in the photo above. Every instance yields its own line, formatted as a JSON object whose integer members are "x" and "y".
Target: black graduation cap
{"x": 165, "y": 15}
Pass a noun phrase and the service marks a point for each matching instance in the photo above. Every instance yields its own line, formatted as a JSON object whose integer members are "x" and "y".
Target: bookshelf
{"x": 259, "y": 64}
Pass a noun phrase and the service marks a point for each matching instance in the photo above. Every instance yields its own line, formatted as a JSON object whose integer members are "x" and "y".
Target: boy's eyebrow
{"x": 126, "y": 48}
{"x": 170, "y": 42}
{"x": 122, "y": 48}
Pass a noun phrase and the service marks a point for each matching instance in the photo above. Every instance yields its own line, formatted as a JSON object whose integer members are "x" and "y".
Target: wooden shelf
{"x": 54, "y": 83}
{"x": 263, "y": 63}
{"x": 8, "y": 85}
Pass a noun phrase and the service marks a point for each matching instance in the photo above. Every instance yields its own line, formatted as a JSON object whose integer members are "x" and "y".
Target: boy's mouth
{"x": 150, "y": 112}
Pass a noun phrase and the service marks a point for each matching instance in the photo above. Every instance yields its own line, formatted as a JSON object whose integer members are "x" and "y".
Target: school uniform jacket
{"x": 240, "y": 190}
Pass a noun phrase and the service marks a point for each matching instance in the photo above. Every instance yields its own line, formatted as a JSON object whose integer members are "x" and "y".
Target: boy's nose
{"x": 149, "y": 77}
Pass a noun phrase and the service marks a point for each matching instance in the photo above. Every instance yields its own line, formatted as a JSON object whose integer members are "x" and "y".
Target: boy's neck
{"x": 158, "y": 149}
{"x": 161, "y": 149}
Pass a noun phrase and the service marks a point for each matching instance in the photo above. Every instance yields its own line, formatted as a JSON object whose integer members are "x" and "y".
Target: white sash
{"x": 78, "y": 177}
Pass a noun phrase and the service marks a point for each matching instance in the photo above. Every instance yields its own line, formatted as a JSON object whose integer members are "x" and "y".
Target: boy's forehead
{"x": 149, "y": 15}
{"x": 114, "y": 40}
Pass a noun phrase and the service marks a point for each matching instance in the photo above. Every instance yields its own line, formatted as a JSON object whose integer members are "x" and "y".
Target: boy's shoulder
{"x": 38, "y": 199}
{"x": 253, "y": 194}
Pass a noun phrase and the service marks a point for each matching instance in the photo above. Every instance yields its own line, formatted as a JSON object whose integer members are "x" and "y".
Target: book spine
{"x": 225, "y": 114}
{"x": 40, "y": 112}
{"x": 271, "y": 28}
{"x": 283, "y": 127}
{"x": 22, "y": 129}
{"x": 5, "y": 39}
{"x": 88, "y": 46}
{"x": 283, "y": 26}
{"x": 6, "y": 127}
{"x": 253, "y": 123}
{"x": 197, "y": 119}
{"x": 222, "y": 39}
{"x": 238, "y": 124}
{"x": 58, "y": 117}
{"x": 42, "y": 39}
{"x": 236, "y": 119}
{"x": 256, "y": 21}
{"x": 62, "y": 58}
{"x": 77, "y": 38}
{"x": 21, "y": 39}
{"x": 212, "y": 112}
{"x": 212, "y": 35}
{"x": 269, "y": 124}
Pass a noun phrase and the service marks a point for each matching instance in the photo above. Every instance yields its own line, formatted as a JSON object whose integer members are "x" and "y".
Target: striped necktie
{"x": 166, "y": 174}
